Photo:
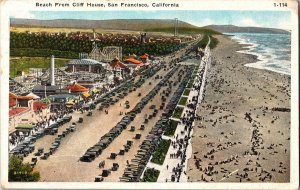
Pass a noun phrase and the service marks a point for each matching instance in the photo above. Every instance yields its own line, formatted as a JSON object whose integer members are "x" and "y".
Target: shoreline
{"x": 232, "y": 90}
{"x": 246, "y": 48}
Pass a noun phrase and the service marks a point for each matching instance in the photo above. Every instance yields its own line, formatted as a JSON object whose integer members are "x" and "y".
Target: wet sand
{"x": 239, "y": 137}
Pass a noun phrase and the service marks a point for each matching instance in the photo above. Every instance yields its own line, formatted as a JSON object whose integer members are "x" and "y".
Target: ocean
{"x": 272, "y": 50}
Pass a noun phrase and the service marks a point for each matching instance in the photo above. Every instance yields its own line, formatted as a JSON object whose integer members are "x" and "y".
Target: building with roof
{"x": 58, "y": 101}
{"x": 77, "y": 88}
{"x": 87, "y": 65}
{"x": 131, "y": 62}
{"x": 46, "y": 90}
{"x": 118, "y": 67}
{"x": 19, "y": 101}
{"x": 117, "y": 64}
{"x": 144, "y": 58}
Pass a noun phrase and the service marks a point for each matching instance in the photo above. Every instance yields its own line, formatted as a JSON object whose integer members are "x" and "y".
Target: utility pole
{"x": 175, "y": 26}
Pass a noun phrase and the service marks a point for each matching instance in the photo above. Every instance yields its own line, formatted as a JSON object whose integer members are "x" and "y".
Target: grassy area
{"x": 177, "y": 113}
{"x": 184, "y": 30}
{"x": 190, "y": 85}
{"x": 150, "y": 175}
{"x": 183, "y": 101}
{"x": 24, "y": 63}
{"x": 161, "y": 152}
{"x": 171, "y": 128}
{"x": 186, "y": 92}
{"x": 213, "y": 42}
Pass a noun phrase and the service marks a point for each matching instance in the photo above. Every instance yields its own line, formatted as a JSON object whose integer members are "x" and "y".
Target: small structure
{"x": 131, "y": 62}
{"x": 38, "y": 105}
{"x": 118, "y": 67}
{"x": 19, "y": 101}
{"x": 144, "y": 58}
{"x": 117, "y": 64}
{"x": 88, "y": 65}
{"x": 45, "y": 90}
{"x": 77, "y": 88}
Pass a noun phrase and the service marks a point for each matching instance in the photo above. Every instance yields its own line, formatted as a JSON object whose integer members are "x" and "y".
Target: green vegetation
{"x": 190, "y": 84}
{"x": 23, "y": 64}
{"x": 44, "y": 45}
{"x": 184, "y": 30}
{"x": 171, "y": 128}
{"x": 17, "y": 171}
{"x": 213, "y": 42}
{"x": 178, "y": 111}
{"x": 183, "y": 101}
{"x": 203, "y": 42}
{"x": 186, "y": 92}
{"x": 150, "y": 175}
{"x": 32, "y": 52}
{"x": 161, "y": 152}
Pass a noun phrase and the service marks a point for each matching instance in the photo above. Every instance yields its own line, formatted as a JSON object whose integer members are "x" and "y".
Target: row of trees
{"x": 32, "y": 45}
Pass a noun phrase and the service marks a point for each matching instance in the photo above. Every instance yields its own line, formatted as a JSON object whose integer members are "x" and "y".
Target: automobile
{"x": 122, "y": 152}
{"x": 45, "y": 156}
{"x": 54, "y": 131}
{"x": 105, "y": 173}
{"x": 73, "y": 129}
{"x": 113, "y": 156}
{"x": 99, "y": 178}
{"x": 31, "y": 147}
{"x": 52, "y": 149}
{"x": 115, "y": 167}
{"x": 152, "y": 107}
{"x": 132, "y": 128}
{"x": 137, "y": 136}
{"x": 88, "y": 157}
{"x": 80, "y": 120}
{"x": 129, "y": 143}
{"x": 89, "y": 113}
{"x": 33, "y": 161}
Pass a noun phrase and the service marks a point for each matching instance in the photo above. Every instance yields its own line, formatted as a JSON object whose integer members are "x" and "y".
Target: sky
{"x": 269, "y": 19}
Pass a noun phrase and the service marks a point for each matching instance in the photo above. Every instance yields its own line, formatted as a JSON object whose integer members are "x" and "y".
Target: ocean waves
{"x": 272, "y": 50}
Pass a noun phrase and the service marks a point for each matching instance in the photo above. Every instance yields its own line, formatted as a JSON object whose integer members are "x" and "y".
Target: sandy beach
{"x": 241, "y": 135}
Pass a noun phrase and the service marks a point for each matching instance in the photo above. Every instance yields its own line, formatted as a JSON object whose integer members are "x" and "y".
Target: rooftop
{"x": 85, "y": 62}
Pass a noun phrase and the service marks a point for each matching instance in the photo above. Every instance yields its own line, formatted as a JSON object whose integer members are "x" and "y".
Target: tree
{"x": 17, "y": 171}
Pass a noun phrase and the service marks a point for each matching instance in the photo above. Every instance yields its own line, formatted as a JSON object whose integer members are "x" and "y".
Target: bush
{"x": 150, "y": 175}
{"x": 161, "y": 152}
{"x": 177, "y": 113}
{"x": 17, "y": 171}
{"x": 171, "y": 128}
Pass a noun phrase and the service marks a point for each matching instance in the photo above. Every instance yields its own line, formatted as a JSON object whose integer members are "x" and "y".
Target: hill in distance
{"x": 238, "y": 29}
{"x": 116, "y": 24}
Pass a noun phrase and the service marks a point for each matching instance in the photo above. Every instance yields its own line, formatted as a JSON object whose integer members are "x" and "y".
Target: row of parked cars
{"x": 134, "y": 170}
{"x": 26, "y": 147}
{"x": 108, "y": 100}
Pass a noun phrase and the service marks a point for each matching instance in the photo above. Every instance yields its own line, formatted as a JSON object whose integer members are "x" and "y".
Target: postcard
{"x": 111, "y": 94}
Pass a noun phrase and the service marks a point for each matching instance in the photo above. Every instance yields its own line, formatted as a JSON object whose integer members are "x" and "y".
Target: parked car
{"x": 99, "y": 178}
{"x": 33, "y": 161}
